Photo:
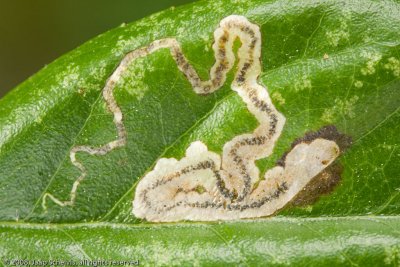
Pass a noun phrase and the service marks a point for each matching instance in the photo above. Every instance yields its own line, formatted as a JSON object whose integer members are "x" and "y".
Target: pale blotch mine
{"x": 393, "y": 64}
{"x": 373, "y": 59}
{"x": 303, "y": 84}
{"x": 338, "y": 35}
{"x": 278, "y": 97}
{"x": 340, "y": 107}
{"x": 134, "y": 83}
{"x": 203, "y": 185}
{"x": 358, "y": 84}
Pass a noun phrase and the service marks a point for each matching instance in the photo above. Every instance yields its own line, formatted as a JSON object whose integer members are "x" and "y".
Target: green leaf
{"x": 364, "y": 241}
{"x": 324, "y": 62}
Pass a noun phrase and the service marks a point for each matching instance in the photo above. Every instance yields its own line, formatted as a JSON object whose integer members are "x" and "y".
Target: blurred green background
{"x": 35, "y": 32}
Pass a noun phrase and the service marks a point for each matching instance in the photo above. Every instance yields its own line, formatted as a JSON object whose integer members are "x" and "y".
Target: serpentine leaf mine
{"x": 204, "y": 186}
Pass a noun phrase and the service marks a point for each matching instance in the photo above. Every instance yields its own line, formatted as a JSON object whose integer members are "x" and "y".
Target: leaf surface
{"x": 324, "y": 62}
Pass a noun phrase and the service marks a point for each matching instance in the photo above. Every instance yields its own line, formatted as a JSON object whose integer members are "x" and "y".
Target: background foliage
{"x": 34, "y": 33}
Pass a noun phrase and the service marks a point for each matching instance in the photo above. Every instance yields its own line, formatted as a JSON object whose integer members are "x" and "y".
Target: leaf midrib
{"x": 276, "y": 219}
